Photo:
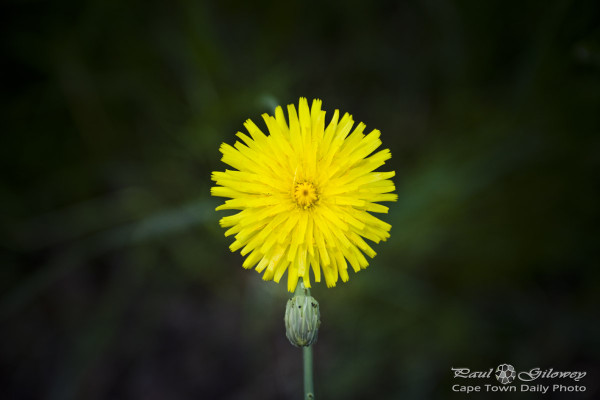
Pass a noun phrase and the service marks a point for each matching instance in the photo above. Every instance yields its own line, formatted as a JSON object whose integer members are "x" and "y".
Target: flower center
{"x": 305, "y": 194}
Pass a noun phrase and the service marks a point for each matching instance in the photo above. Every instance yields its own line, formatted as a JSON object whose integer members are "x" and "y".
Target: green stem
{"x": 300, "y": 289}
{"x": 309, "y": 393}
{"x": 307, "y": 353}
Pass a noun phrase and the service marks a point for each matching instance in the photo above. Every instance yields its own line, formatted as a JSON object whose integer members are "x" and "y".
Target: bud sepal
{"x": 302, "y": 318}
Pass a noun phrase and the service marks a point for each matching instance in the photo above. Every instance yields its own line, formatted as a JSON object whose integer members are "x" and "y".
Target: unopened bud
{"x": 302, "y": 320}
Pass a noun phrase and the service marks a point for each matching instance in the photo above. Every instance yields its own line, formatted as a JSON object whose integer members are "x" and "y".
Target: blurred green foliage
{"x": 116, "y": 280}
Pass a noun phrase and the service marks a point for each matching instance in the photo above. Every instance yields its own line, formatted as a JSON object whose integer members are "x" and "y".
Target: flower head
{"x": 305, "y": 192}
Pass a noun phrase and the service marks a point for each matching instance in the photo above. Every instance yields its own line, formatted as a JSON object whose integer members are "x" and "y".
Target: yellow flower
{"x": 305, "y": 193}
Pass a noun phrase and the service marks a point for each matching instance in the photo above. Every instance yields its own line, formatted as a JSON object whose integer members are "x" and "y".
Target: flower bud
{"x": 302, "y": 320}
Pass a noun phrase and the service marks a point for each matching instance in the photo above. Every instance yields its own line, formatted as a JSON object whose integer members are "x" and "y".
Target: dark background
{"x": 116, "y": 281}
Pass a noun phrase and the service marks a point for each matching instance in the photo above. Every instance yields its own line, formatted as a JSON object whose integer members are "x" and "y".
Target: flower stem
{"x": 307, "y": 353}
